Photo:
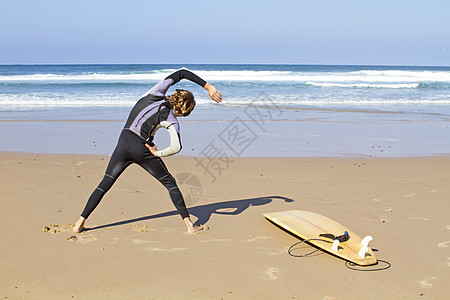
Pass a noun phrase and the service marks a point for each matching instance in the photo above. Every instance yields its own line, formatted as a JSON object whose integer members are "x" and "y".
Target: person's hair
{"x": 183, "y": 102}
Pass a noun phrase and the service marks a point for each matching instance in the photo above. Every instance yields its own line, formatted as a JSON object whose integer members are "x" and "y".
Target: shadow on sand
{"x": 204, "y": 212}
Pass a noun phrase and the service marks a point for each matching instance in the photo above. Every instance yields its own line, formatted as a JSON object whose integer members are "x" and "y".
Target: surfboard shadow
{"x": 205, "y": 212}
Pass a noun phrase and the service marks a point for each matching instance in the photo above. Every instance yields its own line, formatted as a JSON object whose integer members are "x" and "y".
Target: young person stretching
{"x": 135, "y": 144}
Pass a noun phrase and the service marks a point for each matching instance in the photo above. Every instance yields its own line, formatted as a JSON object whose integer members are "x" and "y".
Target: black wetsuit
{"x": 149, "y": 113}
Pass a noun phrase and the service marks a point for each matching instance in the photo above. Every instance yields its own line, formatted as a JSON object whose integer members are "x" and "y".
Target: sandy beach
{"x": 136, "y": 247}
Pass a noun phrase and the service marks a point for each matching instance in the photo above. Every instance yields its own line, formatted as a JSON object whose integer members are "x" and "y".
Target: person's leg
{"x": 103, "y": 187}
{"x": 156, "y": 167}
{"x": 97, "y": 195}
{"x": 117, "y": 164}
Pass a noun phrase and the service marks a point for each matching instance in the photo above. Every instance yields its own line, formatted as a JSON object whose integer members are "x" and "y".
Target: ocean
{"x": 293, "y": 94}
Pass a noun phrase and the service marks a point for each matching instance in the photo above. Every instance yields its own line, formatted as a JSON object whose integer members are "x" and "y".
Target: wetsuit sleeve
{"x": 186, "y": 74}
{"x": 175, "y": 145}
{"x": 161, "y": 88}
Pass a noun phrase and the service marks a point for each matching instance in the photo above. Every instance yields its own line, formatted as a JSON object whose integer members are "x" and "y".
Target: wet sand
{"x": 304, "y": 135}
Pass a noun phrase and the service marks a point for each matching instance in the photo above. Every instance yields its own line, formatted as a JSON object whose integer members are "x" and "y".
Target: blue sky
{"x": 244, "y": 32}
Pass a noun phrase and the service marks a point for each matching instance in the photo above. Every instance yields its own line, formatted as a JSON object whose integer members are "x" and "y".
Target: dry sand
{"x": 137, "y": 248}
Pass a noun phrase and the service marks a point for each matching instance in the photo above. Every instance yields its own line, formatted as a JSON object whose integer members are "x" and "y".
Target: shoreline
{"x": 182, "y": 157}
{"x": 240, "y": 138}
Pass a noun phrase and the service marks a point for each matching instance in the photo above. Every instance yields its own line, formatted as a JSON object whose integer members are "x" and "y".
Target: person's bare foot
{"x": 193, "y": 229}
{"x": 79, "y": 226}
{"x": 196, "y": 229}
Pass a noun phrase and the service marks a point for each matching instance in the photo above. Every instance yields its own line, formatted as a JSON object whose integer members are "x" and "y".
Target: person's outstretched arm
{"x": 161, "y": 88}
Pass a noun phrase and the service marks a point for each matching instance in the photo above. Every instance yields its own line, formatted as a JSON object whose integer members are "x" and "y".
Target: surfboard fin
{"x": 365, "y": 246}
{"x": 337, "y": 240}
{"x": 362, "y": 251}
{"x": 335, "y": 245}
{"x": 365, "y": 241}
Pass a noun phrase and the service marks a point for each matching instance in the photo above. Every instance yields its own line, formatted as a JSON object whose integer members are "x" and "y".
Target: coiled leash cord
{"x": 348, "y": 264}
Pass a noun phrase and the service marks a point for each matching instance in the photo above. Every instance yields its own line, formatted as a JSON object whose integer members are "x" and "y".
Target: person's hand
{"x": 213, "y": 93}
{"x": 152, "y": 149}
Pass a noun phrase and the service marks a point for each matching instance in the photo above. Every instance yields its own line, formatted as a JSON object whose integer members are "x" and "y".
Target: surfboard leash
{"x": 305, "y": 241}
{"x": 355, "y": 267}
{"x": 348, "y": 264}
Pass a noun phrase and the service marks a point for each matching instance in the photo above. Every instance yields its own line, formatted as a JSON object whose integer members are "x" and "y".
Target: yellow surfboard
{"x": 326, "y": 234}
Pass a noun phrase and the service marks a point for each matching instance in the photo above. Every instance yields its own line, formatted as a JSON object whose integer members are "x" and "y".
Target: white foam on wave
{"x": 430, "y": 75}
{"x": 94, "y": 77}
{"x": 384, "y": 77}
{"x": 298, "y": 100}
{"x": 26, "y": 101}
{"x": 366, "y": 85}
{"x": 153, "y": 76}
{"x": 354, "y": 77}
{"x": 401, "y": 76}
{"x": 30, "y": 101}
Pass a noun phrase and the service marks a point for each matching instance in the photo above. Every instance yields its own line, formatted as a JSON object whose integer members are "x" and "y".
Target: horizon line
{"x": 225, "y": 64}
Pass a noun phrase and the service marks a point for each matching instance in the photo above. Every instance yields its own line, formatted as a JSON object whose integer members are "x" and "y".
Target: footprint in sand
{"x": 448, "y": 227}
{"x": 443, "y": 244}
{"x": 270, "y": 272}
{"x": 167, "y": 250}
{"x": 136, "y": 241}
{"x": 425, "y": 283}
{"x": 216, "y": 240}
{"x": 254, "y": 238}
{"x": 138, "y": 228}
{"x": 83, "y": 240}
{"x": 57, "y": 228}
{"x": 422, "y": 219}
{"x": 409, "y": 195}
